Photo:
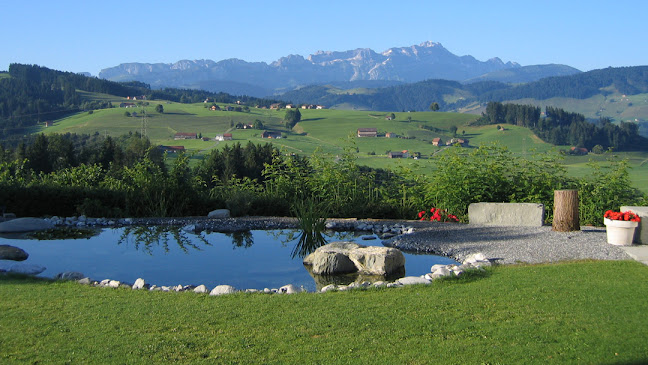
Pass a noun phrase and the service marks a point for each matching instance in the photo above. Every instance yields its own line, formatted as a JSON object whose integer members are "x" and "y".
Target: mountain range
{"x": 361, "y": 67}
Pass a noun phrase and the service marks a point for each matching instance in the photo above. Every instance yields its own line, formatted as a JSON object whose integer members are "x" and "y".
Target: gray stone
{"x": 189, "y": 228}
{"x": 69, "y": 275}
{"x": 251, "y": 291}
{"x": 139, "y": 284}
{"x": 104, "y": 282}
{"x": 506, "y": 214}
{"x": 12, "y": 253}
{"x": 25, "y": 225}
{"x": 442, "y": 271}
{"x": 379, "y": 284}
{"x": 21, "y": 267}
{"x": 641, "y": 232}
{"x": 222, "y": 289}
{"x": 412, "y": 280}
{"x": 84, "y": 281}
{"x": 219, "y": 213}
{"x": 475, "y": 258}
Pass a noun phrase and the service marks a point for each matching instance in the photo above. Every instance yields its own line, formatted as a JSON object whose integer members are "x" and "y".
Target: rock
{"x": 386, "y": 236}
{"x": 84, "y": 281}
{"x": 289, "y": 289}
{"x": 474, "y": 258}
{"x": 506, "y": 214}
{"x": 200, "y": 289}
{"x": 21, "y": 267}
{"x": 436, "y": 267}
{"x": 69, "y": 275}
{"x": 219, "y": 213}
{"x": 113, "y": 284}
{"x": 223, "y": 289}
{"x": 368, "y": 238}
{"x": 267, "y": 290}
{"x": 139, "y": 284}
{"x": 412, "y": 280}
{"x": 375, "y": 260}
{"x": 25, "y": 225}
{"x": 251, "y": 290}
{"x": 12, "y": 253}
{"x": 332, "y": 259}
{"x": 379, "y": 284}
{"x": 328, "y": 288}
{"x": 442, "y": 271}
{"x": 189, "y": 228}
{"x": 348, "y": 257}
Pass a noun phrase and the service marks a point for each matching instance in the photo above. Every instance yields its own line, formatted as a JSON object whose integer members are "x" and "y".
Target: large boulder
{"x": 12, "y": 253}
{"x": 374, "y": 260}
{"x": 349, "y": 257}
{"x": 25, "y": 225}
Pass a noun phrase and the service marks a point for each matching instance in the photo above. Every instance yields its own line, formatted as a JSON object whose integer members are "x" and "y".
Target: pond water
{"x": 169, "y": 256}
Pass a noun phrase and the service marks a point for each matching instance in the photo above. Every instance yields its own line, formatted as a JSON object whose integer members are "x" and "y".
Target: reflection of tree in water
{"x": 307, "y": 242}
{"x": 241, "y": 239}
{"x": 147, "y": 237}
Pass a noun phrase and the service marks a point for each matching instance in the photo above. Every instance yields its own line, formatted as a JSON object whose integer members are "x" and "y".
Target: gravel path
{"x": 509, "y": 244}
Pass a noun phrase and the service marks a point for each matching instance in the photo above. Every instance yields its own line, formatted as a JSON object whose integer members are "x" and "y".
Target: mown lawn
{"x": 579, "y": 312}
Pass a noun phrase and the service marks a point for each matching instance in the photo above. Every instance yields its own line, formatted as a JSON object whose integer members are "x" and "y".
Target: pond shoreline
{"x": 506, "y": 245}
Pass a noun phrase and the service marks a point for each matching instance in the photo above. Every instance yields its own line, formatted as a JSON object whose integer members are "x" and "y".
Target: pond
{"x": 169, "y": 256}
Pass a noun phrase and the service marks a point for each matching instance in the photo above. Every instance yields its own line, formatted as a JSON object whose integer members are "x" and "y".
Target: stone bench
{"x": 641, "y": 233}
{"x": 507, "y": 214}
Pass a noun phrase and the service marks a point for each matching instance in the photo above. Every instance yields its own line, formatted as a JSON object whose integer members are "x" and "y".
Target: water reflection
{"x": 147, "y": 237}
{"x": 242, "y": 239}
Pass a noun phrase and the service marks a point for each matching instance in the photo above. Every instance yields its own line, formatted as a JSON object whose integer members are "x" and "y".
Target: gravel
{"x": 509, "y": 245}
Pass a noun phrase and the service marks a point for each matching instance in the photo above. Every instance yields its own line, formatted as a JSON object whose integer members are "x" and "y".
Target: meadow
{"x": 332, "y": 132}
{"x": 584, "y": 312}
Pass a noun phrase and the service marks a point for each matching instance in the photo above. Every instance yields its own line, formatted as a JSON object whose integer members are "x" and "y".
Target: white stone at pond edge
{"x": 219, "y": 213}
{"x": 139, "y": 284}
{"x": 476, "y": 257}
{"x": 442, "y": 271}
{"x": 20, "y": 267}
{"x": 412, "y": 280}
{"x": 113, "y": 284}
{"x": 223, "y": 289}
{"x": 69, "y": 275}
{"x": 289, "y": 289}
{"x": 25, "y": 225}
{"x": 328, "y": 288}
{"x": 200, "y": 289}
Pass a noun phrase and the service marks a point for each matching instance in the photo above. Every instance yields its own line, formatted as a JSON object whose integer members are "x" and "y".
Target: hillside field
{"x": 327, "y": 131}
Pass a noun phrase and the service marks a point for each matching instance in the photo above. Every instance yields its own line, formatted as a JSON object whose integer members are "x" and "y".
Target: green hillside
{"x": 329, "y": 131}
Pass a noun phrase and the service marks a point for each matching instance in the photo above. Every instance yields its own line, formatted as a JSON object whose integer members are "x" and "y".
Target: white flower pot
{"x": 620, "y": 233}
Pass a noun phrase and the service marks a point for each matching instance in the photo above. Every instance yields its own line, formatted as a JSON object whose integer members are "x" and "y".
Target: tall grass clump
{"x": 311, "y": 220}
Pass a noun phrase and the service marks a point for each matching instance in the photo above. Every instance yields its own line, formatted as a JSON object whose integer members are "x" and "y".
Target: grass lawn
{"x": 578, "y": 312}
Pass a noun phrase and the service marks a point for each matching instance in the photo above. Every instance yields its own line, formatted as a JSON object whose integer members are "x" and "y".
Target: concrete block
{"x": 641, "y": 233}
{"x": 506, "y": 214}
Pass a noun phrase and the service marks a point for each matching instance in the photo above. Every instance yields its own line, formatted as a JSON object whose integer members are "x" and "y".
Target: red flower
{"x": 622, "y": 216}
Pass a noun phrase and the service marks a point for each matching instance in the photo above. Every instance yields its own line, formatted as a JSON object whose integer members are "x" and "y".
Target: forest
{"x": 560, "y": 127}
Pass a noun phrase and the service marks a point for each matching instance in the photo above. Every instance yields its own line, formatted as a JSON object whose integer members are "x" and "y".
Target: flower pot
{"x": 620, "y": 233}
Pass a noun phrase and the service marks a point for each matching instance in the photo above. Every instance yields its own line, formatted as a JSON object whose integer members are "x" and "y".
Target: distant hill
{"x": 525, "y": 74}
{"x": 605, "y": 93}
{"x": 428, "y": 60}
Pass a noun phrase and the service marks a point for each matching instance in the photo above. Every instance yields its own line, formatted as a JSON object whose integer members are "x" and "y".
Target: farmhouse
{"x": 437, "y": 141}
{"x": 269, "y": 134}
{"x": 214, "y": 107}
{"x": 181, "y": 135}
{"x": 274, "y": 106}
{"x": 127, "y": 105}
{"x": 367, "y": 132}
{"x": 398, "y": 154}
{"x": 172, "y": 149}
{"x": 391, "y": 135}
{"x": 224, "y": 137}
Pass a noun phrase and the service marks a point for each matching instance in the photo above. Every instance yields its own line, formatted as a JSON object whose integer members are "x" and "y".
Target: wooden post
{"x": 566, "y": 217}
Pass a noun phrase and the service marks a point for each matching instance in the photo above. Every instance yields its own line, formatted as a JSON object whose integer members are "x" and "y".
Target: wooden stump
{"x": 566, "y": 217}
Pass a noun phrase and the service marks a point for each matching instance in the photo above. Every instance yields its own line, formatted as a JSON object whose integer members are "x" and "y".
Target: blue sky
{"x": 92, "y": 35}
